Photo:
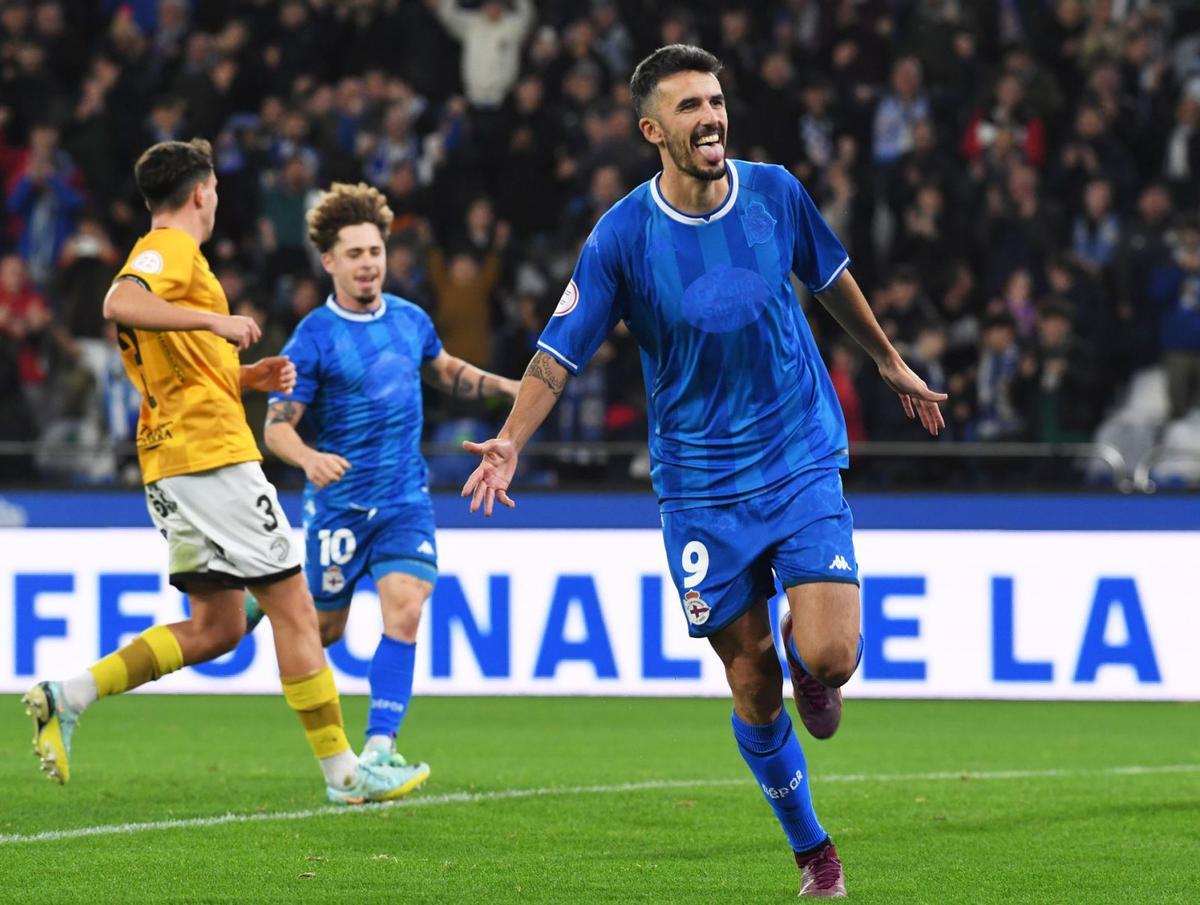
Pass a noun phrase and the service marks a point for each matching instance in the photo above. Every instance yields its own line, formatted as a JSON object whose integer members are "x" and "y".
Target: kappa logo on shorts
{"x": 332, "y": 580}
{"x": 839, "y": 562}
{"x": 426, "y": 547}
{"x": 697, "y": 610}
{"x": 280, "y": 547}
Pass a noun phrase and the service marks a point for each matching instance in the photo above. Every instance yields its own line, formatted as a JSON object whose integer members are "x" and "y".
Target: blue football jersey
{"x": 739, "y": 399}
{"x": 359, "y": 374}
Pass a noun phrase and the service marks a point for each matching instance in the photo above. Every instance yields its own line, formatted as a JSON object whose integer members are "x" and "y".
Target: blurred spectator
{"x": 491, "y": 39}
{"x": 1181, "y": 168}
{"x": 464, "y": 288}
{"x": 24, "y": 321}
{"x": 1097, "y": 229}
{"x": 281, "y": 208}
{"x": 1058, "y": 382}
{"x": 844, "y": 366}
{"x": 1017, "y": 302}
{"x": 43, "y": 202}
{"x": 83, "y": 276}
{"x": 996, "y": 413}
{"x": 405, "y": 277}
{"x": 1175, "y": 287}
{"x": 1006, "y": 113}
{"x": 898, "y": 111}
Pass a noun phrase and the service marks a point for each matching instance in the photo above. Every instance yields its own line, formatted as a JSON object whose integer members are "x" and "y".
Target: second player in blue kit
{"x": 746, "y": 433}
{"x": 360, "y": 361}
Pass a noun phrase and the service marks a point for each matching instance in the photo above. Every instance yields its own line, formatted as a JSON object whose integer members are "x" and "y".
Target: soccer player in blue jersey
{"x": 359, "y": 364}
{"x": 746, "y": 433}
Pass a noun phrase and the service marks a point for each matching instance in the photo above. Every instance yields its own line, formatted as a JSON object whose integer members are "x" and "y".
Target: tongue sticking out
{"x": 712, "y": 153}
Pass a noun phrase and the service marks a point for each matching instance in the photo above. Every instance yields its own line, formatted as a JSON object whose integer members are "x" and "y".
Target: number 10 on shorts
{"x": 337, "y": 545}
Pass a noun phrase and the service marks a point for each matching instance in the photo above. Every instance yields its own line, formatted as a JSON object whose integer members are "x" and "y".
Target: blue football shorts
{"x": 343, "y": 545}
{"x": 724, "y": 559}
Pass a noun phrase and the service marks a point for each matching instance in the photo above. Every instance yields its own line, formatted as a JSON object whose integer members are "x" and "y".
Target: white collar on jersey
{"x": 680, "y": 217}
{"x": 360, "y": 316}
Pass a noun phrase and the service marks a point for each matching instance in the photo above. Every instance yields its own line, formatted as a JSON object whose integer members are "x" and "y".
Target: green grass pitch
{"x": 928, "y": 802}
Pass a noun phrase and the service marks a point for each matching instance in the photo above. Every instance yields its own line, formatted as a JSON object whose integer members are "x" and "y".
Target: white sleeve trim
{"x": 837, "y": 273}
{"x": 553, "y": 351}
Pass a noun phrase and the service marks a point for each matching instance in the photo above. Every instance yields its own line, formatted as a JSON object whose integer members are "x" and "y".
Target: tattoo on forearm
{"x": 541, "y": 368}
{"x": 284, "y": 413}
{"x": 453, "y": 387}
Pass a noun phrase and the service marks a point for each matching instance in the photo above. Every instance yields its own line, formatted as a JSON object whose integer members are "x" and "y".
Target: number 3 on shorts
{"x": 337, "y": 546}
{"x": 695, "y": 563}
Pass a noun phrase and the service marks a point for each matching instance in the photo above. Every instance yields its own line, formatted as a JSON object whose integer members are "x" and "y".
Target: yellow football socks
{"x": 149, "y": 656}
{"x": 315, "y": 699}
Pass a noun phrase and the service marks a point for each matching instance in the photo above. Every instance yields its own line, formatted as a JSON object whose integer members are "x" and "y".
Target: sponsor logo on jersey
{"x": 568, "y": 301}
{"x": 697, "y": 610}
{"x": 332, "y": 580}
{"x": 150, "y": 437}
{"x": 148, "y": 262}
{"x": 778, "y": 792}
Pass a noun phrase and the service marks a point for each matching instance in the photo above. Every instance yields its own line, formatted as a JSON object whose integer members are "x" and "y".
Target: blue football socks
{"x": 773, "y": 754}
{"x": 391, "y": 680}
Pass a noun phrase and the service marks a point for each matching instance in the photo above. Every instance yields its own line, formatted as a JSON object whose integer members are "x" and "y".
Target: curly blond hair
{"x": 346, "y": 205}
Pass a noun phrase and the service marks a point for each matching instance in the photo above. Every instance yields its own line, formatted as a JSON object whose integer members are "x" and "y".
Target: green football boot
{"x": 378, "y": 779}
{"x": 53, "y": 725}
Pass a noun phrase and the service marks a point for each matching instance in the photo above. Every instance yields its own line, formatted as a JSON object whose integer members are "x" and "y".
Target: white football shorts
{"x": 224, "y": 525}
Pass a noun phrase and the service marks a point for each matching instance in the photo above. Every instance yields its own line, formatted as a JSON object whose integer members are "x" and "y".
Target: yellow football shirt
{"x": 192, "y": 418}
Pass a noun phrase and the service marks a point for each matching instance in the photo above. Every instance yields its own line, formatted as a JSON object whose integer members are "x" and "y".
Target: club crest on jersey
{"x": 757, "y": 223}
{"x": 148, "y": 262}
{"x": 696, "y": 609}
{"x": 570, "y": 298}
{"x": 332, "y": 580}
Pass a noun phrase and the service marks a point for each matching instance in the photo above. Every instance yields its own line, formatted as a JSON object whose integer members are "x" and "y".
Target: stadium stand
{"x": 1016, "y": 180}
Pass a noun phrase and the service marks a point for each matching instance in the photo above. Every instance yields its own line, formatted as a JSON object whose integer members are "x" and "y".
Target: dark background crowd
{"x": 1017, "y": 182}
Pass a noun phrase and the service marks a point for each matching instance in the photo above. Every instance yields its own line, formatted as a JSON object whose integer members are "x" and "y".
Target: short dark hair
{"x": 167, "y": 172}
{"x": 667, "y": 61}
{"x": 346, "y": 205}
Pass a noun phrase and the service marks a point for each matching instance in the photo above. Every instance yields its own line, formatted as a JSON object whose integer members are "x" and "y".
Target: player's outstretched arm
{"x": 130, "y": 303}
{"x": 539, "y": 390}
{"x": 279, "y": 433}
{"x": 846, "y": 302}
{"x": 463, "y": 380}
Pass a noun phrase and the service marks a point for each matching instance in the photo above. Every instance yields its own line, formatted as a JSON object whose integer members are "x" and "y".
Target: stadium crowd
{"x": 1017, "y": 182}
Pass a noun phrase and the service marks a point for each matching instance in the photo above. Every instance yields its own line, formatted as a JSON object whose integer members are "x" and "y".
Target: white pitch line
{"x": 552, "y": 791}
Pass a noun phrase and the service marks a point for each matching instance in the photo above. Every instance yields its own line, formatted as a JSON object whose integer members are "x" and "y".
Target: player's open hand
{"x": 324, "y": 469}
{"x": 273, "y": 374}
{"x": 489, "y": 482}
{"x": 243, "y": 332}
{"x": 915, "y": 396}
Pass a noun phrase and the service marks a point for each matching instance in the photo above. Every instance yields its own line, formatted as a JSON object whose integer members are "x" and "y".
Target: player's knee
{"x": 331, "y": 629}
{"x": 402, "y": 622}
{"x": 220, "y": 636}
{"x": 832, "y": 663}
